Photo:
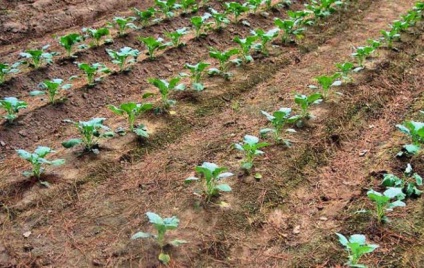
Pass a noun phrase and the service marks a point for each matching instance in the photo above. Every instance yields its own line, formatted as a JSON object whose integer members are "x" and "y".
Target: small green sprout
{"x": 37, "y": 57}
{"x": 390, "y": 36}
{"x": 51, "y": 88}
{"x": 300, "y": 17}
{"x": 250, "y": 147}
{"x": 254, "y": 5}
{"x": 124, "y": 57}
{"x": 290, "y": 29}
{"x": 362, "y": 53}
{"x": 12, "y": 106}
{"x": 165, "y": 88}
{"x": 92, "y": 70}
{"x": 305, "y": 103}
{"x": 196, "y": 71}
{"x": 383, "y": 203}
{"x": 189, "y": 6}
{"x": 224, "y": 61}
{"x": 90, "y": 131}
{"x": 37, "y": 160}
{"x": 245, "y": 45}
{"x": 123, "y": 24}
{"x": 68, "y": 41}
{"x": 265, "y": 38}
{"x": 278, "y": 120}
{"x": 133, "y": 110}
{"x": 356, "y": 246}
{"x": 212, "y": 174}
{"x": 408, "y": 183}
{"x": 153, "y": 45}
{"x": 416, "y": 131}
{"x": 199, "y": 23}
{"x": 344, "y": 70}
{"x": 161, "y": 226}
{"x": 96, "y": 34}
{"x": 219, "y": 18}
{"x": 176, "y": 36}
{"x": 236, "y": 9}
{"x": 325, "y": 83}
{"x": 167, "y": 7}
{"x": 323, "y": 8}
{"x": 6, "y": 70}
{"x": 145, "y": 15}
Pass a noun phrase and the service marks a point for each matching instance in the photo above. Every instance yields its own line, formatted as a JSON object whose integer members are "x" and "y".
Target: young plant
{"x": 279, "y": 119}
{"x": 124, "y": 57}
{"x": 96, "y": 34}
{"x": 305, "y": 103}
{"x": 356, "y": 247}
{"x": 254, "y": 5}
{"x": 250, "y": 147}
{"x": 68, "y": 41}
{"x": 196, "y": 71}
{"x": 6, "y": 69}
{"x": 344, "y": 70}
{"x": 176, "y": 36}
{"x": 408, "y": 183}
{"x": 12, "y": 106}
{"x": 153, "y": 45}
{"x": 212, "y": 174}
{"x": 219, "y": 18}
{"x": 51, "y": 88}
{"x": 362, "y": 53}
{"x": 323, "y": 8}
{"x": 245, "y": 45}
{"x": 167, "y": 7}
{"x": 390, "y": 36}
{"x": 199, "y": 23}
{"x": 165, "y": 88}
{"x": 90, "y": 132}
{"x": 145, "y": 15}
{"x": 37, "y": 57}
{"x": 224, "y": 61}
{"x": 38, "y": 159}
{"x": 161, "y": 226}
{"x": 92, "y": 70}
{"x": 290, "y": 28}
{"x": 189, "y": 6}
{"x": 325, "y": 83}
{"x": 132, "y": 110}
{"x": 236, "y": 9}
{"x": 265, "y": 38}
{"x": 300, "y": 17}
{"x": 416, "y": 131}
{"x": 383, "y": 203}
{"x": 123, "y": 24}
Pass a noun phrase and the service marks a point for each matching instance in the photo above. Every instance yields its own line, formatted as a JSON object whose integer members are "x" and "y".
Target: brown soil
{"x": 286, "y": 219}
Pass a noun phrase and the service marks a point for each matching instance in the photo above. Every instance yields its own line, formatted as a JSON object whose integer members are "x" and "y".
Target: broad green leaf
{"x": 141, "y": 235}
{"x": 71, "y": 143}
{"x": 223, "y": 187}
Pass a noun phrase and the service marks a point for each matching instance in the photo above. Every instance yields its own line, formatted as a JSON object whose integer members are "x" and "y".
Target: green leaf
{"x": 154, "y": 218}
{"x": 342, "y": 239}
{"x": 177, "y": 242}
{"x": 57, "y": 162}
{"x": 223, "y": 187}
{"x": 71, "y": 143}
{"x": 42, "y": 151}
{"x": 37, "y": 93}
{"x": 141, "y": 235}
{"x": 24, "y": 154}
{"x": 164, "y": 258}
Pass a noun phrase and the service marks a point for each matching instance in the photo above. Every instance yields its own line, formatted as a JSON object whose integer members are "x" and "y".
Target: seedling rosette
{"x": 250, "y": 147}
{"x": 212, "y": 175}
{"x": 199, "y": 23}
{"x": 37, "y": 57}
{"x": 96, "y": 34}
{"x": 68, "y": 41}
{"x": 356, "y": 247}
{"x": 236, "y": 9}
{"x": 278, "y": 120}
{"x": 325, "y": 83}
{"x": 176, "y": 36}
{"x": 7, "y": 69}
{"x": 131, "y": 110}
{"x": 265, "y": 38}
{"x": 219, "y": 18}
{"x": 51, "y": 88}
{"x": 124, "y": 57}
{"x": 415, "y": 130}
{"x": 153, "y": 45}
{"x": 12, "y": 106}
{"x": 145, "y": 15}
{"x": 162, "y": 225}
{"x": 196, "y": 71}
{"x": 305, "y": 103}
{"x": 409, "y": 182}
{"x": 383, "y": 201}
{"x": 165, "y": 88}
{"x": 123, "y": 24}
{"x": 224, "y": 61}
{"x": 167, "y": 7}
{"x": 91, "y": 70}
{"x": 245, "y": 47}
{"x": 91, "y": 131}
{"x": 38, "y": 160}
